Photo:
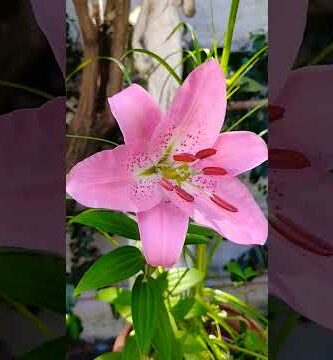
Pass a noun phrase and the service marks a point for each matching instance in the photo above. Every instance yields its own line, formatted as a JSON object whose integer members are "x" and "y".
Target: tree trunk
{"x": 117, "y": 13}
{"x": 90, "y": 119}
{"x": 84, "y": 116}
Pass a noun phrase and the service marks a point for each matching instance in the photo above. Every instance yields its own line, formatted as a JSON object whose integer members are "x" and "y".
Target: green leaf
{"x": 118, "y": 265}
{"x": 235, "y": 269}
{"x": 195, "y": 239}
{"x": 181, "y": 279}
{"x": 159, "y": 60}
{"x": 221, "y": 297}
{"x": 110, "y": 356}
{"x": 164, "y": 340}
{"x": 52, "y": 350}
{"x": 120, "y": 298}
{"x": 250, "y": 85}
{"x": 131, "y": 350}
{"x": 109, "y": 222}
{"x": 144, "y": 312}
{"x": 36, "y": 278}
{"x": 195, "y": 229}
{"x": 188, "y": 308}
{"x": 191, "y": 343}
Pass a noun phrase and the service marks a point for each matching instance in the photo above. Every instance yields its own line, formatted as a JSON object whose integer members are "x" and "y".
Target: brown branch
{"x": 243, "y": 105}
{"x": 84, "y": 116}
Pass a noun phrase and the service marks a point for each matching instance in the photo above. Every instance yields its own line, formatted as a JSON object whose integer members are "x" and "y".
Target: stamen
{"x": 275, "y": 112}
{"x": 205, "y": 153}
{"x": 183, "y": 194}
{"x": 184, "y": 157}
{"x": 166, "y": 184}
{"x": 223, "y": 204}
{"x": 212, "y": 170}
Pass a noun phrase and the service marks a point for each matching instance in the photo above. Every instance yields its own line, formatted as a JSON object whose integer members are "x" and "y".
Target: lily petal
{"x": 196, "y": 114}
{"x": 163, "y": 230}
{"x": 110, "y": 179}
{"x": 136, "y": 112}
{"x": 246, "y": 226}
{"x": 237, "y": 152}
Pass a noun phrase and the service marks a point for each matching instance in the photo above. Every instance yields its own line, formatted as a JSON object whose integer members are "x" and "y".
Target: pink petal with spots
{"x": 163, "y": 230}
{"x": 136, "y": 113}
{"x": 237, "y": 152}
{"x": 196, "y": 114}
{"x": 110, "y": 179}
{"x": 246, "y": 226}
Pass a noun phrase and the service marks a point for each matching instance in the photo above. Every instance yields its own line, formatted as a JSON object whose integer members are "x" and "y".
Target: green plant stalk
{"x": 248, "y": 114}
{"x": 72, "y": 136}
{"x": 229, "y": 35}
{"x": 322, "y": 55}
{"x": 201, "y": 266}
{"x": 38, "y": 324}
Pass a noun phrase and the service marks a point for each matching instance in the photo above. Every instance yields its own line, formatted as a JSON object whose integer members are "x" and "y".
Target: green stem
{"x": 201, "y": 266}
{"x": 28, "y": 89}
{"x": 228, "y": 35}
{"x": 38, "y": 324}
{"x": 247, "y": 115}
{"x": 91, "y": 138}
{"x": 322, "y": 55}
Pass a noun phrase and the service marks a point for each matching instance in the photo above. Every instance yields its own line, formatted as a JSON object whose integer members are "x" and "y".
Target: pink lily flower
{"x": 176, "y": 166}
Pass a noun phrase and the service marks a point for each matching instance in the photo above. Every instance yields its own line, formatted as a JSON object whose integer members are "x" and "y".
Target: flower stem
{"x": 201, "y": 266}
{"x": 228, "y": 35}
{"x": 35, "y": 321}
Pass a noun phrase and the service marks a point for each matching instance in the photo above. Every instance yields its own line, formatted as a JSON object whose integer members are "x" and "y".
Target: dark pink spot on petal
{"x": 287, "y": 159}
{"x": 212, "y": 170}
{"x": 184, "y": 194}
{"x": 184, "y": 157}
{"x": 205, "y": 153}
{"x": 166, "y": 184}
{"x": 223, "y": 204}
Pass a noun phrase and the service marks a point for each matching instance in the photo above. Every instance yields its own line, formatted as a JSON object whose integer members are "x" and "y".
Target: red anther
{"x": 223, "y": 204}
{"x": 275, "y": 112}
{"x": 166, "y": 184}
{"x": 183, "y": 194}
{"x": 287, "y": 159}
{"x": 184, "y": 157}
{"x": 205, "y": 153}
{"x": 212, "y": 170}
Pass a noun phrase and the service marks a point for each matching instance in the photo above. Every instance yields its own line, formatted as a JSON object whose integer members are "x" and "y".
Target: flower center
{"x": 177, "y": 172}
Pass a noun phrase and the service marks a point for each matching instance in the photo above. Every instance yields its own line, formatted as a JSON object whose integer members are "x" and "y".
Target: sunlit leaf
{"x": 118, "y": 265}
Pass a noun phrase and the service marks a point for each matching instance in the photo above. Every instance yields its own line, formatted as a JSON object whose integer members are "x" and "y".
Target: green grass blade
{"x": 159, "y": 60}
{"x": 247, "y": 66}
{"x": 27, "y": 89}
{"x": 90, "y": 61}
{"x": 229, "y": 35}
{"x": 247, "y": 115}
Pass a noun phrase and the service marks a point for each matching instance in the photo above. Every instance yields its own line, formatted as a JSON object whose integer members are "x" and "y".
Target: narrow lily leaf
{"x": 165, "y": 341}
{"x": 195, "y": 229}
{"x": 188, "y": 308}
{"x": 144, "y": 312}
{"x": 108, "y": 222}
{"x": 182, "y": 279}
{"x": 122, "y": 225}
{"x": 195, "y": 239}
{"x": 27, "y": 284}
{"x": 131, "y": 350}
{"x": 159, "y": 60}
{"x": 118, "y": 265}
